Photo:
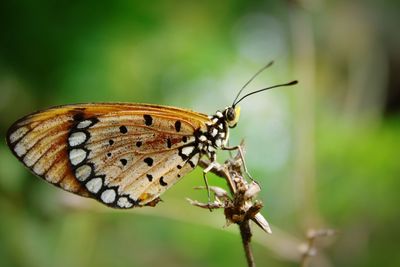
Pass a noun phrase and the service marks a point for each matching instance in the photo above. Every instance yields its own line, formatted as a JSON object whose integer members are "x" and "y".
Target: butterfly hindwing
{"x": 124, "y": 155}
{"x": 40, "y": 142}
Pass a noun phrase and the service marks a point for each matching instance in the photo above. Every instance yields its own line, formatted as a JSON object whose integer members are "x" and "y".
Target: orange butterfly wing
{"x": 123, "y": 155}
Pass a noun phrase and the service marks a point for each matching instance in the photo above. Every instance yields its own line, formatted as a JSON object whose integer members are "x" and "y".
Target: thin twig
{"x": 310, "y": 250}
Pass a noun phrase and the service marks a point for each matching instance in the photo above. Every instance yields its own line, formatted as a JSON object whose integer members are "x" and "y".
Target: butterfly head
{"x": 231, "y": 116}
{"x": 218, "y": 127}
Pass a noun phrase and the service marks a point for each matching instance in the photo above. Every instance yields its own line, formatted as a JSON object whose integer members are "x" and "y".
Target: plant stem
{"x": 245, "y": 233}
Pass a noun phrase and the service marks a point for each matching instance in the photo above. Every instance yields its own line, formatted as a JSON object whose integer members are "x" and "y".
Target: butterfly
{"x": 122, "y": 154}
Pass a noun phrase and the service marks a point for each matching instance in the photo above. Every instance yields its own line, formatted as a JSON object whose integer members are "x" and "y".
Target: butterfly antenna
{"x": 264, "y": 89}
{"x": 251, "y": 79}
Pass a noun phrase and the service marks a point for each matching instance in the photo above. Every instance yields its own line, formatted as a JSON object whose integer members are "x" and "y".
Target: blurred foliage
{"x": 324, "y": 151}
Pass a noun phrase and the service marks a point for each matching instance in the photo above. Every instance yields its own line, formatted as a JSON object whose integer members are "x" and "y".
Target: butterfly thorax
{"x": 214, "y": 137}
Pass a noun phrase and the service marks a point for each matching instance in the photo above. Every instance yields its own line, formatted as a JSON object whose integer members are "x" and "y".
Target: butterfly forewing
{"x": 124, "y": 155}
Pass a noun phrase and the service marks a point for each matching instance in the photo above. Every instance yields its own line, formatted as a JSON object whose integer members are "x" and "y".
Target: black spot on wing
{"x": 183, "y": 156}
{"x": 78, "y": 116}
{"x": 150, "y": 177}
{"x": 178, "y": 125}
{"x": 191, "y": 164}
{"x": 123, "y": 161}
{"x": 169, "y": 144}
{"x": 148, "y": 120}
{"x": 148, "y": 161}
{"x": 162, "y": 182}
{"x": 111, "y": 142}
{"x": 123, "y": 129}
{"x": 138, "y": 144}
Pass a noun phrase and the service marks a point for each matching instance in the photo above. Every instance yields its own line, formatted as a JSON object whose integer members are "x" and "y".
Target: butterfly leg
{"x": 212, "y": 165}
{"x": 206, "y": 183}
{"x": 241, "y": 155}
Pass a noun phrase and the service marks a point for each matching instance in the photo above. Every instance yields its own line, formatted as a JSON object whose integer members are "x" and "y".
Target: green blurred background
{"x": 325, "y": 151}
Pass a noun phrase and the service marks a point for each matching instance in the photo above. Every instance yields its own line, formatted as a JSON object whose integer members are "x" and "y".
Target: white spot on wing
{"x": 84, "y": 124}
{"x": 77, "y": 138}
{"x": 108, "y": 196}
{"x": 187, "y": 150}
{"x": 94, "y": 185}
{"x": 210, "y": 148}
{"x": 18, "y": 134}
{"x": 76, "y": 156}
{"x": 83, "y": 172}
{"x": 124, "y": 203}
{"x": 214, "y": 132}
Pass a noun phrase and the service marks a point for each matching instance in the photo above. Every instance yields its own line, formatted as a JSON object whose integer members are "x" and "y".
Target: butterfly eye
{"x": 230, "y": 114}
